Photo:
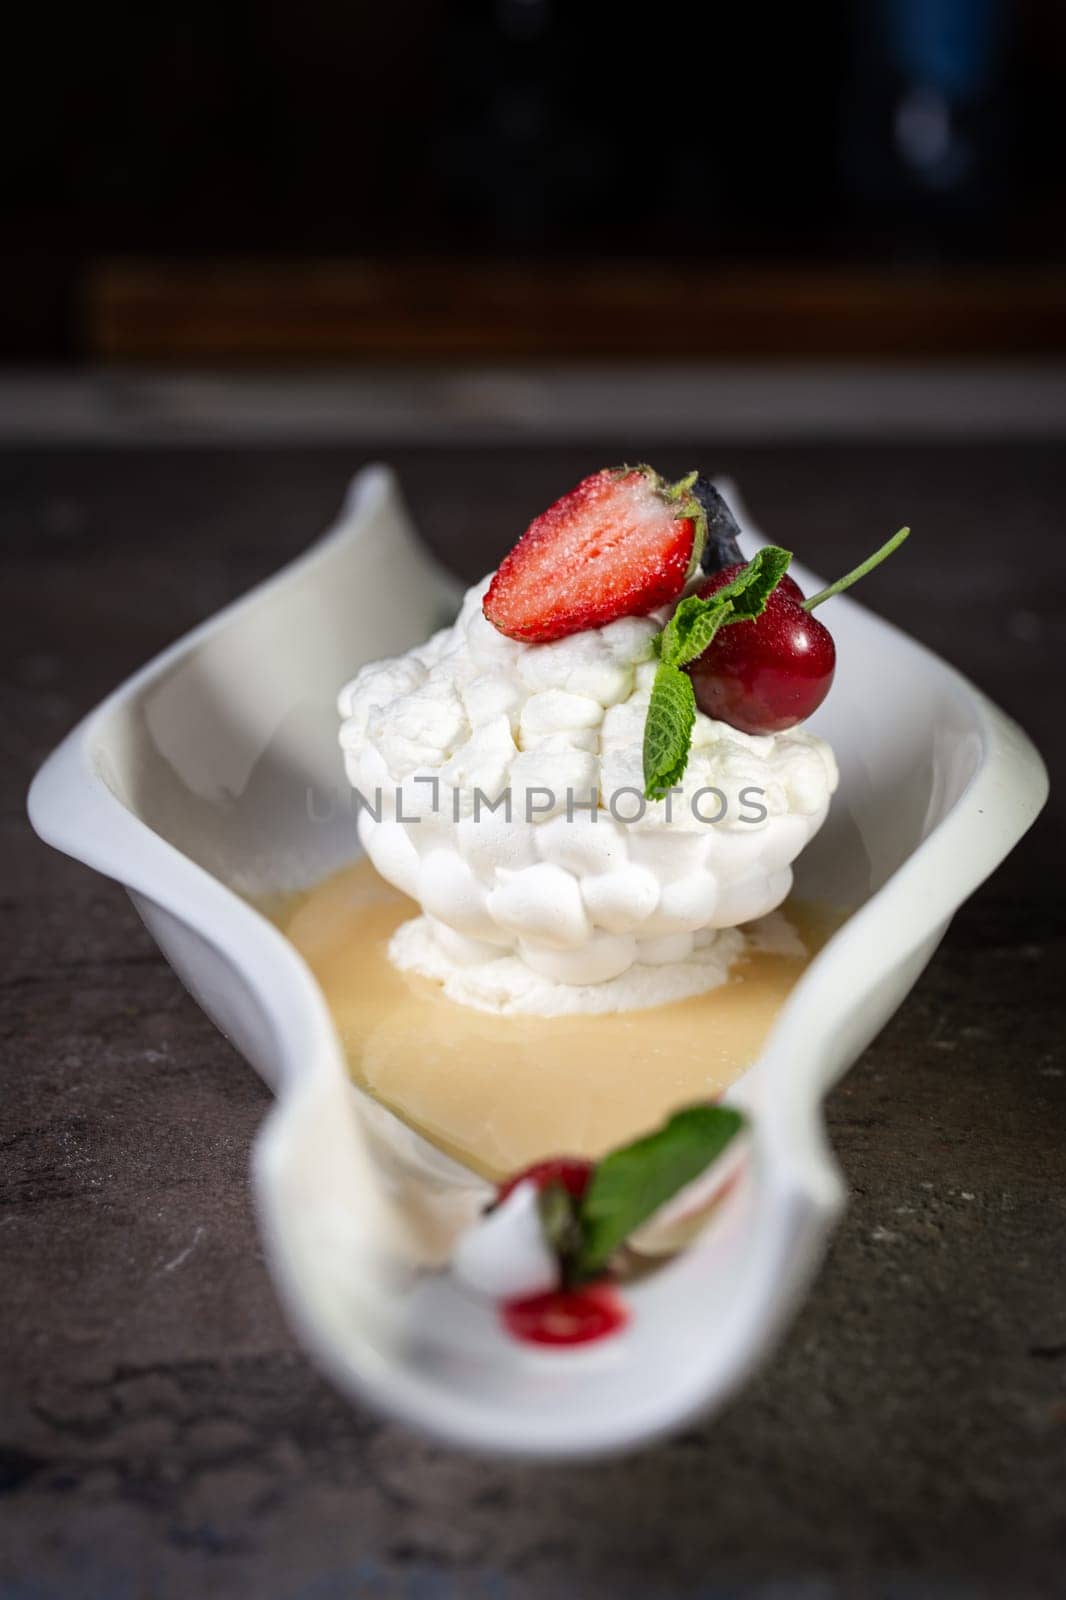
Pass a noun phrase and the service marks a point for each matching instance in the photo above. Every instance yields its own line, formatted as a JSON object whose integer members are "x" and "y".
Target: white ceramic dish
{"x": 214, "y": 773}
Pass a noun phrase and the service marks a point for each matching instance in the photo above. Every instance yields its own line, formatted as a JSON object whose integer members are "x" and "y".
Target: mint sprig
{"x": 672, "y": 708}
{"x": 691, "y": 628}
{"x": 630, "y": 1184}
{"x": 749, "y": 591}
{"x": 668, "y": 729}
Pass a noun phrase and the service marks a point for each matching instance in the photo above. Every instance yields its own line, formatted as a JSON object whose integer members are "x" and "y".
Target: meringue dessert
{"x": 501, "y": 786}
{"x": 566, "y": 890}
{"x": 581, "y": 803}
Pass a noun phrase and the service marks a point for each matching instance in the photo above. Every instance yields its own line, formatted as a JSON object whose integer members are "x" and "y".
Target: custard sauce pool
{"x": 501, "y": 1092}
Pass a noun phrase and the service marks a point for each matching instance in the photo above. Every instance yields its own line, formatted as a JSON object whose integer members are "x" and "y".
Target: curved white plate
{"x": 214, "y": 773}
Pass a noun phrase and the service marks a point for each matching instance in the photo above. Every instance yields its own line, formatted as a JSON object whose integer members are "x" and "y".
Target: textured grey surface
{"x": 160, "y": 1432}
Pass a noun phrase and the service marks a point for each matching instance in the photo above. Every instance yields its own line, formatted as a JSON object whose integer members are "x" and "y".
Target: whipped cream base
{"x": 507, "y": 986}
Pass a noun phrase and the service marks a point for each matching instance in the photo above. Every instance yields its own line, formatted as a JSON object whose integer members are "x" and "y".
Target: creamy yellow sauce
{"x": 501, "y": 1092}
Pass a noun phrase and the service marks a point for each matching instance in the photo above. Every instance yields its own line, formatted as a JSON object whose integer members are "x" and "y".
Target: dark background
{"x": 218, "y": 153}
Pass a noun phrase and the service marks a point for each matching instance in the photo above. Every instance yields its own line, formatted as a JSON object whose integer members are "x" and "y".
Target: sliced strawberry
{"x": 619, "y": 545}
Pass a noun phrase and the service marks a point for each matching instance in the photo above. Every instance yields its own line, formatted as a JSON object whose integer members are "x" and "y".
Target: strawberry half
{"x": 620, "y": 544}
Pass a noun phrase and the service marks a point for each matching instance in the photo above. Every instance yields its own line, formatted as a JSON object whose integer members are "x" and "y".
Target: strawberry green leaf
{"x": 682, "y": 494}
{"x": 668, "y": 729}
{"x": 630, "y": 1184}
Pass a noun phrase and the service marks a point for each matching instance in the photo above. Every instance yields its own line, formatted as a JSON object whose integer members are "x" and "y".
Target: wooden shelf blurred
{"x": 248, "y": 313}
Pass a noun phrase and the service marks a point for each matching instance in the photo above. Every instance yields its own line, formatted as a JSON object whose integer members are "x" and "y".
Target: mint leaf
{"x": 632, "y": 1183}
{"x": 692, "y": 627}
{"x": 672, "y": 708}
{"x": 668, "y": 729}
{"x": 750, "y": 589}
{"x": 696, "y": 621}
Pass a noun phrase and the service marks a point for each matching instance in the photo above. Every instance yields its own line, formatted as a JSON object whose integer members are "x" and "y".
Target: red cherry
{"x": 565, "y": 1316}
{"x": 573, "y": 1172}
{"x": 766, "y": 674}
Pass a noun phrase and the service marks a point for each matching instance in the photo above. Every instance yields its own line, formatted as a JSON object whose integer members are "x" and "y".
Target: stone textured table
{"x": 162, "y": 1434}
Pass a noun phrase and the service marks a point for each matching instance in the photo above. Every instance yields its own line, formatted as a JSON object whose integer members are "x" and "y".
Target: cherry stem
{"x": 859, "y": 572}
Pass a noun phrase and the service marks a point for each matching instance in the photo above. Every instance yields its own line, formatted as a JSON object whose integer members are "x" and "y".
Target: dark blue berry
{"x": 721, "y": 549}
